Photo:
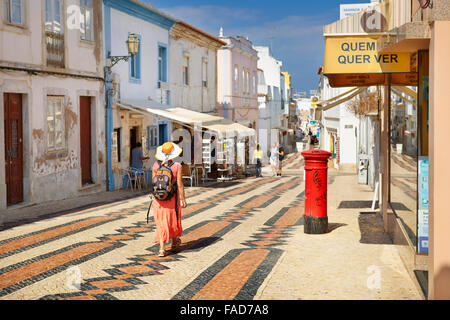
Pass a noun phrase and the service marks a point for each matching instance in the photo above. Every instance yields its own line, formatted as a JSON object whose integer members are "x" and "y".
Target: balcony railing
{"x": 55, "y": 49}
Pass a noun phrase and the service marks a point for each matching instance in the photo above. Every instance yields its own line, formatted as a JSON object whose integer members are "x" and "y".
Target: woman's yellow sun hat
{"x": 168, "y": 151}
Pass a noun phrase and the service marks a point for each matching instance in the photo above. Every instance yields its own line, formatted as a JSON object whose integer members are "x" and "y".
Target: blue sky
{"x": 295, "y": 25}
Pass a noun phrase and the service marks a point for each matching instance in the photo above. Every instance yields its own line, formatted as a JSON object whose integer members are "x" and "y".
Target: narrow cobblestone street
{"x": 242, "y": 239}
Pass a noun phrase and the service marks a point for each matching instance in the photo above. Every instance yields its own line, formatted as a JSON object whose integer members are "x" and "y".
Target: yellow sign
{"x": 358, "y": 55}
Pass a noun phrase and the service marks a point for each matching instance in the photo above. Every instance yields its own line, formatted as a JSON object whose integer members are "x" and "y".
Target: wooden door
{"x": 85, "y": 140}
{"x": 13, "y": 148}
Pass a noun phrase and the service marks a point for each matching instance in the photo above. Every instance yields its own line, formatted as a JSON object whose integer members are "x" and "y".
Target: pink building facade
{"x": 237, "y": 81}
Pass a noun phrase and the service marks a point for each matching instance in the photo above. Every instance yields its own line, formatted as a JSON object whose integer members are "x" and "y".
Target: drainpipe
{"x": 109, "y": 125}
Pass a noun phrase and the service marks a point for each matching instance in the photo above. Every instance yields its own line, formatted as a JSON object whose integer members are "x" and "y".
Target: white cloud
{"x": 296, "y": 39}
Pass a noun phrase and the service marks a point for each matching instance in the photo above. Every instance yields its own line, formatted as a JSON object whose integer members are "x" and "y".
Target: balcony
{"x": 54, "y": 43}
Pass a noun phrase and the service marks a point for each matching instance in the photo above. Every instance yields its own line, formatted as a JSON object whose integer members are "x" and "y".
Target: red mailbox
{"x": 316, "y": 170}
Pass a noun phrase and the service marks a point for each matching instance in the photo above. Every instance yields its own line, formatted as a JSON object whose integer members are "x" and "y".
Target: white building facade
{"x": 192, "y": 71}
{"x": 271, "y": 98}
{"x": 140, "y": 82}
{"x": 339, "y": 128}
{"x": 52, "y": 118}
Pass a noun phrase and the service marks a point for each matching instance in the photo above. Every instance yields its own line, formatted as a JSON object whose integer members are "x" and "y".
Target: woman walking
{"x": 167, "y": 213}
{"x": 274, "y": 159}
{"x": 258, "y": 154}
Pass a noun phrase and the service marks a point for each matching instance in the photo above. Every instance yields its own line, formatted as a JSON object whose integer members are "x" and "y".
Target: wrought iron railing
{"x": 55, "y": 49}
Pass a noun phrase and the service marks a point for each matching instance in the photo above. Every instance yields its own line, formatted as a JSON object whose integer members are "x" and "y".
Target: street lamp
{"x": 133, "y": 49}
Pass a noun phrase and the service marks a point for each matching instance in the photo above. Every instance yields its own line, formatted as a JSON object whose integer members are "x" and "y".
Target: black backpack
{"x": 164, "y": 183}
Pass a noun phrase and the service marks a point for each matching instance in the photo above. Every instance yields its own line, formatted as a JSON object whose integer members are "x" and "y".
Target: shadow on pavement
{"x": 334, "y": 226}
{"x": 197, "y": 244}
{"x": 372, "y": 229}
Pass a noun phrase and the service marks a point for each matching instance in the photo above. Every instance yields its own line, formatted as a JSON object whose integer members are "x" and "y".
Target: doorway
{"x": 13, "y": 148}
{"x": 85, "y": 140}
{"x": 163, "y": 133}
{"x": 133, "y": 140}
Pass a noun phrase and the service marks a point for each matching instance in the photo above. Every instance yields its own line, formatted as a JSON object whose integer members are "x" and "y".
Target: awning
{"x": 187, "y": 117}
{"x": 180, "y": 115}
{"x": 227, "y": 128}
{"x": 338, "y": 102}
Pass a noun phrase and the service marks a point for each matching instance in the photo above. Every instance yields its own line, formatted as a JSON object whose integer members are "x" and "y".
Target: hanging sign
{"x": 356, "y": 55}
{"x": 373, "y": 79}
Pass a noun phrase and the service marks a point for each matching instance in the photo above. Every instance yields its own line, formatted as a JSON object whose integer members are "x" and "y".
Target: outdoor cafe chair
{"x": 187, "y": 173}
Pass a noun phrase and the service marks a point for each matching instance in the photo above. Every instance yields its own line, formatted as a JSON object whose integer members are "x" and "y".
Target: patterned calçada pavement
{"x": 234, "y": 233}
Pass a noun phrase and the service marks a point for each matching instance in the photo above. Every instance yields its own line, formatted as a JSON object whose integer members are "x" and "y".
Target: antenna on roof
{"x": 221, "y": 32}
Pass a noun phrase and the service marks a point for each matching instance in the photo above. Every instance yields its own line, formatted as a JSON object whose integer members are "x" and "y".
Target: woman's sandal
{"x": 162, "y": 253}
{"x": 176, "y": 244}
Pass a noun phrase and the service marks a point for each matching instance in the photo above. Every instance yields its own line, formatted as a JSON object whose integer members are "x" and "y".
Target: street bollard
{"x": 316, "y": 170}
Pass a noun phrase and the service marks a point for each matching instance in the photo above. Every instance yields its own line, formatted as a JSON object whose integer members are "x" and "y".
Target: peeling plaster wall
{"x": 53, "y": 175}
{"x": 57, "y": 174}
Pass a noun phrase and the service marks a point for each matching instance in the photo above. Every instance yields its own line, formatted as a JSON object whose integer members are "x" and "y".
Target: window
{"x": 135, "y": 63}
{"x": 162, "y": 64}
{"x": 248, "y": 82}
{"x": 236, "y": 79}
{"x": 119, "y": 144}
{"x": 14, "y": 11}
{"x": 261, "y": 80}
{"x": 55, "y": 123}
{"x": 54, "y": 34}
{"x": 186, "y": 71}
{"x": 205, "y": 75}
{"x": 254, "y": 83}
{"x": 53, "y": 16}
{"x": 244, "y": 81}
{"x": 86, "y": 20}
{"x": 152, "y": 137}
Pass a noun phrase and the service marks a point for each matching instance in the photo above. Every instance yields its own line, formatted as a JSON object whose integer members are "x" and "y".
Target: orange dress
{"x": 167, "y": 224}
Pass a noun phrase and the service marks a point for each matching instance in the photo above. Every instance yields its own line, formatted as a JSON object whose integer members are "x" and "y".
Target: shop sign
{"x": 422, "y": 221}
{"x": 358, "y": 55}
{"x": 360, "y": 80}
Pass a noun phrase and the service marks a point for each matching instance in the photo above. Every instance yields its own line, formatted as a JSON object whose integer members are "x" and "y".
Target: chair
{"x": 186, "y": 173}
{"x": 137, "y": 176}
{"x": 200, "y": 172}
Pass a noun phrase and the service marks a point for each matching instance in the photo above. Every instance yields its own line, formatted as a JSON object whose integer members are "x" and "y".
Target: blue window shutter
{"x": 164, "y": 64}
{"x": 138, "y": 60}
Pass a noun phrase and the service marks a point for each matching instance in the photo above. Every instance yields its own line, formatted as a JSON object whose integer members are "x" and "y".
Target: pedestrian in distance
{"x": 167, "y": 212}
{"x": 274, "y": 159}
{"x": 137, "y": 157}
{"x": 310, "y": 137}
{"x": 258, "y": 155}
{"x": 280, "y": 159}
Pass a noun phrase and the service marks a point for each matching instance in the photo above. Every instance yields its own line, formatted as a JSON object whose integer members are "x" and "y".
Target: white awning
{"x": 227, "y": 128}
{"x": 180, "y": 115}
{"x": 187, "y": 117}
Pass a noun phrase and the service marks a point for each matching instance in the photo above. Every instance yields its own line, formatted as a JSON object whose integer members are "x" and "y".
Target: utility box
{"x": 363, "y": 169}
